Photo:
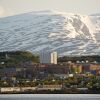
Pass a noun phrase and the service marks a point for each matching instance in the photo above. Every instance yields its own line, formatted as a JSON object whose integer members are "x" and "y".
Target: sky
{"x": 13, "y": 7}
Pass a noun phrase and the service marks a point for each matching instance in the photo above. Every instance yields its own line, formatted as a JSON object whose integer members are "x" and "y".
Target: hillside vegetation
{"x": 17, "y": 57}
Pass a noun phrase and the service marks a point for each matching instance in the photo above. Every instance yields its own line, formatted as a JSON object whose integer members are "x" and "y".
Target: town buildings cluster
{"x": 48, "y": 65}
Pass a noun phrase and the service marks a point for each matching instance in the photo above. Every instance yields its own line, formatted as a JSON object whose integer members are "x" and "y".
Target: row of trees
{"x": 88, "y": 82}
{"x": 79, "y": 58}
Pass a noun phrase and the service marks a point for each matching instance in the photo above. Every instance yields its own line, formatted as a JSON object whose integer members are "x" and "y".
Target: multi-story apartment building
{"x": 48, "y": 57}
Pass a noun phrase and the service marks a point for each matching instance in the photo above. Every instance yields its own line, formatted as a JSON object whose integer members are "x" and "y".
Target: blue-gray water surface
{"x": 50, "y": 97}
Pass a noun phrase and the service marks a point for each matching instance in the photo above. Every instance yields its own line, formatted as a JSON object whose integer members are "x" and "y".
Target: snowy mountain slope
{"x": 65, "y": 33}
{"x": 96, "y": 21}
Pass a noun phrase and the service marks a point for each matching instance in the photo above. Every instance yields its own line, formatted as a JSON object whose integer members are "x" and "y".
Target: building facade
{"x": 48, "y": 57}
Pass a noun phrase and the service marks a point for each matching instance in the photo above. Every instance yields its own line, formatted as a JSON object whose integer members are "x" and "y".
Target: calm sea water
{"x": 50, "y": 97}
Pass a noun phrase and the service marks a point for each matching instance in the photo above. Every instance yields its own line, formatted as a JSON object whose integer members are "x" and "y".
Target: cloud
{"x": 4, "y": 12}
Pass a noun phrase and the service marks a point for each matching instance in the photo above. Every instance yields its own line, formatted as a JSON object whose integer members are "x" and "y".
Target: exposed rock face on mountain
{"x": 66, "y": 33}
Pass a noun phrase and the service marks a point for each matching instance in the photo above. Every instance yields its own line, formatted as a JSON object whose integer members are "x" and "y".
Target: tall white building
{"x": 48, "y": 57}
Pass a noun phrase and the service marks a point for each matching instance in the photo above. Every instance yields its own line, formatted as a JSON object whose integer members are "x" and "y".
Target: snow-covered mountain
{"x": 66, "y": 33}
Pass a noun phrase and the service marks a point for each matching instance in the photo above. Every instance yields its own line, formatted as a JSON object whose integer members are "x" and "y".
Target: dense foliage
{"x": 16, "y": 57}
{"x": 79, "y": 58}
